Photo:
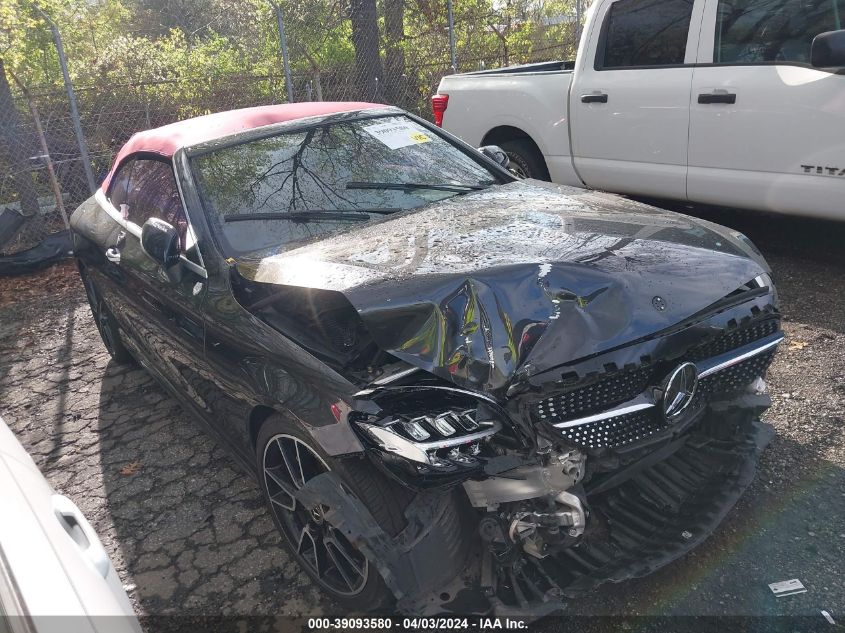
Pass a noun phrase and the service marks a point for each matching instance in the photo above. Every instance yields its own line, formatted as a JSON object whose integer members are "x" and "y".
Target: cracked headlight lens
{"x": 416, "y": 430}
{"x": 445, "y": 441}
{"x": 441, "y": 423}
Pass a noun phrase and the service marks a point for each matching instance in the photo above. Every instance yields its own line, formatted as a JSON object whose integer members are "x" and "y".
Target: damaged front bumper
{"x": 608, "y": 472}
{"x": 656, "y": 517}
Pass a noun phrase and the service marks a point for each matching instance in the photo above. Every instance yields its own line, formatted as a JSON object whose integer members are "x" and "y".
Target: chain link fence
{"x": 390, "y": 51}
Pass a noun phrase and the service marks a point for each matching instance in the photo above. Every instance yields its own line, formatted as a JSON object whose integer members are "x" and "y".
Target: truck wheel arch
{"x": 516, "y": 141}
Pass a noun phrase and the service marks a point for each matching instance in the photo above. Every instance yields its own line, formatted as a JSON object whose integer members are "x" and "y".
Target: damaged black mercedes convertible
{"x": 460, "y": 392}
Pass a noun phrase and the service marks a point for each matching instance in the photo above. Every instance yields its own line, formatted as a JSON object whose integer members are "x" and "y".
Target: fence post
{"x": 451, "y": 19}
{"x": 74, "y": 111}
{"x": 283, "y": 45}
{"x": 578, "y": 11}
{"x": 45, "y": 150}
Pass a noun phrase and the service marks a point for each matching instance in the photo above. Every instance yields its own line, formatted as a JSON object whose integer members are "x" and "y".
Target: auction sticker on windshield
{"x": 397, "y": 134}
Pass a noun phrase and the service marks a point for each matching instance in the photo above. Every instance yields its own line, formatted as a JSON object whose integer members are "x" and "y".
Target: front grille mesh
{"x": 619, "y": 387}
{"x": 599, "y": 396}
{"x": 732, "y": 339}
{"x": 614, "y": 432}
{"x": 736, "y": 378}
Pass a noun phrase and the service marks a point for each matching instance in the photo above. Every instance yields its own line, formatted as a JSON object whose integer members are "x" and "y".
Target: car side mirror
{"x": 828, "y": 49}
{"x": 160, "y": 241}
{"x": 496, "y": 154}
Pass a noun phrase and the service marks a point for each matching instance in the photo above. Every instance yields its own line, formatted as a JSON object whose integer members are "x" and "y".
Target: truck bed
{"x": 488, "y": 106}
{"x": 541, "y": 67}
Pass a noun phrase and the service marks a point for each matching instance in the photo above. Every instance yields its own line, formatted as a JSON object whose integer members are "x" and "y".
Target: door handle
{"x": 717, "y": 97}
{"x": 80, "y": 531}
{"x": 596, "y": 97}
{"x": 113, "y": 253}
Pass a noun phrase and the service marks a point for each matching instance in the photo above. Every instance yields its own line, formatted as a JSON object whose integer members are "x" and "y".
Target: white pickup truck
{"x": 726, "y": 102}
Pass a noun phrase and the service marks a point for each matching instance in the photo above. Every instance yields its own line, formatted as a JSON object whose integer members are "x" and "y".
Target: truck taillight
{"x": 438, "y": 107}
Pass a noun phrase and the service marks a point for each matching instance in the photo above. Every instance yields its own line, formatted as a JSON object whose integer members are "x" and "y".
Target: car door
{"x": 630, "y": 102}
{"x": 767, "y": 130}
{"x": 102, "y": 257}
{"x": 161, "y": 315}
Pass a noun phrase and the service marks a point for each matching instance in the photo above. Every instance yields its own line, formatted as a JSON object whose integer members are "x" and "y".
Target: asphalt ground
{"x": 188, "y": 532}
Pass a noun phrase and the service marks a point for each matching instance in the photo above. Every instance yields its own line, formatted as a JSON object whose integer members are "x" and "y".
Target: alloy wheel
{"x": 105, "y": 327}
{"x": 289, "y": 464}
{"x": 516, "y": 167}
{"x": 101, "y": 317}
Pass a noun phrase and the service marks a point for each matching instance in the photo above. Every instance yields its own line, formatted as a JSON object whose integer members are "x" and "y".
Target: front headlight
{"x": 765, "y": 281}
{"x": 444, "y": 442}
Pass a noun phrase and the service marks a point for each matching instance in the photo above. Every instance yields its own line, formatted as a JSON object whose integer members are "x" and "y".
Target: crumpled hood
{"x": 474, "y": 287}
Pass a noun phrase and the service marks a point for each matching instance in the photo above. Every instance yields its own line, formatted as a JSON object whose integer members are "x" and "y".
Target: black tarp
{"x": 11, "y": 222}
{"x": 49, "y": 251}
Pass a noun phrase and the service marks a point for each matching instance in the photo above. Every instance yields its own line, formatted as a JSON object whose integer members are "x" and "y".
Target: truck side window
{"x": 749, "y": 31}
{"x": 645, "y": 33}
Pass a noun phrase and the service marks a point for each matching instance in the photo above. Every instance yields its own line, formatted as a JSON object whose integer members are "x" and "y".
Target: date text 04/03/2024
{"x": 411, "y": 624}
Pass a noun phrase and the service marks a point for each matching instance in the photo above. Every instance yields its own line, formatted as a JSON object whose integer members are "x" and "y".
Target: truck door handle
{"x": 596, "y": 97}
{"x": 717, "y": 97}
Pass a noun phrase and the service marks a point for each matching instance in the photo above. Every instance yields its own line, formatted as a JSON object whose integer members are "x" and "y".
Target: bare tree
{"x": 365, "y": 39}
{"x": 394, "y": 34}
{"x": 315, "y": 27}
{"x": 18, "y": 152}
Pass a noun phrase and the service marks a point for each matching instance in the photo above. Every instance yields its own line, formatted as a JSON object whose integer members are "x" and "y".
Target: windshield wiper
{"x": 415, "y": 186}
{"x": 306, "y": 216}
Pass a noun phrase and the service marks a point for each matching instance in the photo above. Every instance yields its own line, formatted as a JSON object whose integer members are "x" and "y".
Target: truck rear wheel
{"x": 526, "y": 159}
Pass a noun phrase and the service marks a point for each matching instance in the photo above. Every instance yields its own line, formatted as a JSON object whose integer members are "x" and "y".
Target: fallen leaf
{"x": 796, "y": 345}
{"x": 130, "y": 468}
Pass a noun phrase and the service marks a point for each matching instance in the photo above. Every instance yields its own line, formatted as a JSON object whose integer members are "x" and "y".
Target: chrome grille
{"x": 581, "y": 406}
{"x": 599, "y": 396}
{"x": 632, "y": 427}
{"x": 621, "y": 386}
{"x": 615, "y": 432}
{"x": 731, "y": 339}
{"x": 737, "y": 377}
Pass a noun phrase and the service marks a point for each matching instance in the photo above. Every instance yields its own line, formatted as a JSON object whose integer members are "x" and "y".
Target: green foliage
{"x": 185, "y": 57}
{"x": 496, "y": 32}
{"x": 320, "y": 33}
{"x": 113, "y": 43}
{"x": 137, "y": 64}
{"x": 488, "y": 34}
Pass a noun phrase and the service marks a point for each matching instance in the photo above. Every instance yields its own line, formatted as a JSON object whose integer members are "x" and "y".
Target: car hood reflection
{"x": 527, "y": 274}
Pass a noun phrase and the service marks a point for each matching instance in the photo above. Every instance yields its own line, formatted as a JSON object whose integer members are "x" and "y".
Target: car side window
{"x": 119, "y": 188}
{"x": 645, "y": 33}
{"x": 749, "y": 31}
{"x": 153, "y": 193}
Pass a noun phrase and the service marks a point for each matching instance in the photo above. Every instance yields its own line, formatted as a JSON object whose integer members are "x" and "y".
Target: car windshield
{"x": 296, "y": 186}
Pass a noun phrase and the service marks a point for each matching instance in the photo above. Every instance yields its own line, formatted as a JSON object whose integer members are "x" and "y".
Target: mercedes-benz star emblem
{"x": 680, "y": 389}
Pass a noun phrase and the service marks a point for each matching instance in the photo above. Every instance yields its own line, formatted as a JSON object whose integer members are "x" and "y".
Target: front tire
{"x": 105, "y": 322}
{"x": 526, "y": 159}
{"x": 287, "y": 457}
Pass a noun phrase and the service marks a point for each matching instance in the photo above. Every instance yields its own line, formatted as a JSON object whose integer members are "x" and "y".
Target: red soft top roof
{"x": 167, "y": 139}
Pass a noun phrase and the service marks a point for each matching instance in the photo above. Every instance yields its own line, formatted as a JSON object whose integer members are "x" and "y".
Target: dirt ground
{"x": 188, "y": 533}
